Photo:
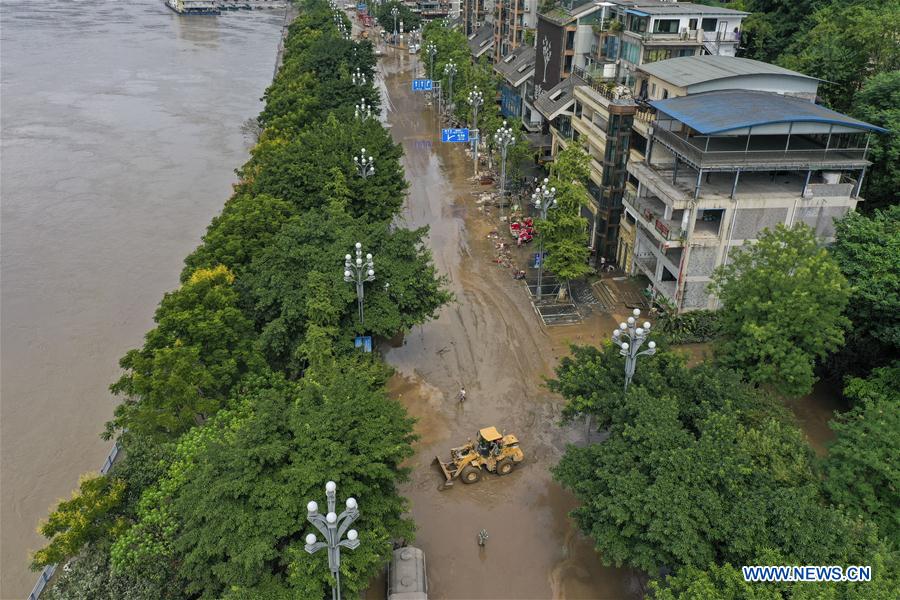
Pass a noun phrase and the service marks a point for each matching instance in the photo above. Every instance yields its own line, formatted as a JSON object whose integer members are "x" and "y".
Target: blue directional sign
{"x": 364, "y": 342}
{"x": 361, "y": 7}
{"x": 422, "y": 85}
{"x": 454, "y": 135}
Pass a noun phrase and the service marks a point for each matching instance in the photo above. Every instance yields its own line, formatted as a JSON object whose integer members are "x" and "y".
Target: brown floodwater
{"x": 121, "y": 128}
{"x": 491, "y": 341}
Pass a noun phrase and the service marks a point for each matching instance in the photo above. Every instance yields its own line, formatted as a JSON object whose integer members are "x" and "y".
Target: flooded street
{"x": 121, "y": 129}
{"x": 490, "y": 340}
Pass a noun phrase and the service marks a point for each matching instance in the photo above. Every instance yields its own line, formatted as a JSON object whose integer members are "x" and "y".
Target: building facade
{"x": 720, "y": 167}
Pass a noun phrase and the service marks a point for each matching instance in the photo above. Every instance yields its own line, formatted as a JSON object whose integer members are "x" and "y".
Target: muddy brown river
{"x": 121, "y": 128}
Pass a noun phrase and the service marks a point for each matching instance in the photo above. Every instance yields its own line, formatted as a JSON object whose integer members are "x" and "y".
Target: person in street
{"x": 462, "y": 394}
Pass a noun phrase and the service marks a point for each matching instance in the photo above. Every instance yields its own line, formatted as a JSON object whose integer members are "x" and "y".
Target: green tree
{"x": 861, "y": 469}
{"x": 784, "y": 298}
{"x": 317, "y": 165}
{"x": 88, "y": 516}
{"x": 410, "y": 19}
{"x": 231, "y": 513}
{"x": 245, "y": 227}
{"x": 722, "y": 582}
{"x": 407, "y": 290}
{"x": 565, "y": 230}
{"x": 845, "y": 44}
{"x": 867, "y": 249}
{"x": 772, "y": 25}
{"x": 698, "y": 468}
{"x": 202, "y": 345}
{"x": 878, "y": 102}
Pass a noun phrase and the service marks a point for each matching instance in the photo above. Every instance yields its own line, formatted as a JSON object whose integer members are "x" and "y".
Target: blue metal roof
{"x": 639, "y": 13}
{"x": 726, "y": 110}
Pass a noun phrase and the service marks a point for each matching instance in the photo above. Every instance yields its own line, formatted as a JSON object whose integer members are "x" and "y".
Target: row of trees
{"x": 247, "y": 395}
{"x": 852, "y": 46}
{"x": 704, "y": 470}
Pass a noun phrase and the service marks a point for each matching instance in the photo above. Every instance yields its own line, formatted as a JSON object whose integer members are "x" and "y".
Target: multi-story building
{"x": 512, "y": 19}
{"x": 481, "y": 41}
{"x": 720, "y": 166}
{"x": 586, "y": 112}
{"x": 565, "y": 36}
{"x": 516, "y": 70}
{"x": 637, "y": 32}
{"x": 692, "y": 75}
{"x": 476, "y": 13}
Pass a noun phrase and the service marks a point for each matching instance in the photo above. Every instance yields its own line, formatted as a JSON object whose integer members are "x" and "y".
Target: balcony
{"x": 765, "y": 152}
{"x": 666, "y": 38}
{"x": 650, "y": 212}
{"x": 722, "y": 36}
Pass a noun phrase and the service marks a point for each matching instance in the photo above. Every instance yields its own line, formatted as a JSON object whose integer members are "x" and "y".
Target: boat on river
{"x": 194, "y": 7}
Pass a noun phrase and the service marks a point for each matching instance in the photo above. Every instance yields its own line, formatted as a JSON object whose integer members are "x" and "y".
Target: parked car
{"x": 406, "y": 578}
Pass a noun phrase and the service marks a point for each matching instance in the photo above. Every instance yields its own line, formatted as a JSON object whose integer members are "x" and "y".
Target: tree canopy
{"x": 783, "y": 301}
{"x": 698, "y": 471}
{"x": 201, "y": 346}
{"x": 861, "y": 469}
{"x": 565, "y": 230}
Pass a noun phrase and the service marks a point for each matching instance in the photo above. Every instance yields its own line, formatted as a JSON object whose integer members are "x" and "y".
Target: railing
{"x": 721, "y": 36}
{"x": 599, "y": 85}
{"x": 667, "y": 229}
{"x": 49, "y": 570}
{"x": 828, "y": 190}
{"x": 737, "y": 158}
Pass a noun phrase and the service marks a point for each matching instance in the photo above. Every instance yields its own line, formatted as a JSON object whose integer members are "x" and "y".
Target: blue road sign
{"x": 422, "y": 85}
{"x": 361, "y": 7}
{"x": 364, "y": 342}
{"x": 454, "y": 135}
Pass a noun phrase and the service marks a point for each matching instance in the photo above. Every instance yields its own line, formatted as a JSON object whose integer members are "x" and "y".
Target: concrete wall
{"x": 750, "y": 221}
{"x": 702, "y": 260}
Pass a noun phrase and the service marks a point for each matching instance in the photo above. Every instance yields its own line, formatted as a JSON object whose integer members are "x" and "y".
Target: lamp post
{"x": 365, "y": 166}
{"x": 332, "y": 527}
{"x": 431, "y": 49}
{"x": 630, "y": 337}
{"x": 476, "y": 99}
{"x": 503, "y": 138}
{"x": 363, "y": 110}
{"x": 394, "y": 12}
{"x": 359, "y": 272}
{"x": 544, "y": 199}
{"x": 358, "y": 77}
{"x": 450, "y": 71}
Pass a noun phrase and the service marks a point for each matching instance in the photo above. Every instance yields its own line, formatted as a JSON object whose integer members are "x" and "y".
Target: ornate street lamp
{"x": 358, "y": 78}
{"x": 363, "y": 110}
{"x": 504, "y": 138}
{"x": 476, "y": 99}
{"x": 450, "y": 71}
{"x": 358, "y": 272}
{"x": 543, "y": 199}
{"x": 365, "y": 166}
{"x": 431, "y": 49}
{"x": 394, "y": 12}
{"x": 332, "y": 527}
{"x": 629, "y": 337}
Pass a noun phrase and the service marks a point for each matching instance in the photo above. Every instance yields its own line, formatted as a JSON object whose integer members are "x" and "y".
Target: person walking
{"x": 462, "y": 394}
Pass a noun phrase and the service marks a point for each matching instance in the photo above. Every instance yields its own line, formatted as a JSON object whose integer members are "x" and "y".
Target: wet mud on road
{"x": 491, "y": 341}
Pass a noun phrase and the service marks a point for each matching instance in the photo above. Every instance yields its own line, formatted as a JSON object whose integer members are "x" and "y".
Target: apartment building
{"x": 512, "y": 20}
{"x": 638, "y": 32}
{"x": 719, "y": 167}
{"x": 475, "y": 14}
{"x": 565, "y": 36}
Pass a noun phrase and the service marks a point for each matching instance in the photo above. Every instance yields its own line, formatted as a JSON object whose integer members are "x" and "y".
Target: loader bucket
{"x": 445, "y": 471}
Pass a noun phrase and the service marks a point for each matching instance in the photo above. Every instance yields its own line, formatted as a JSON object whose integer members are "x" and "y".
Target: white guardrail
{"x": 49, "y": 570}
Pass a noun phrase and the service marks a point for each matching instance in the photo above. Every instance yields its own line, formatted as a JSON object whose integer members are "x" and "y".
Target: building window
{"x": 567, "y": 67}
{"x": 709, "y": 24}
{"x": 631, "y": 52}
{"x": 665, "y": 26}
{"x": 665, "y": 94}
{"x": 570, "y": 40}
{"x": 692, "y": 24}
{"x": 653, "y": 90}
{"x": 577, "y": 109}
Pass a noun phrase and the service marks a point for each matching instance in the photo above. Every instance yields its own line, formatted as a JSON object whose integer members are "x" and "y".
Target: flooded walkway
{"x": 489, "y": 340}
